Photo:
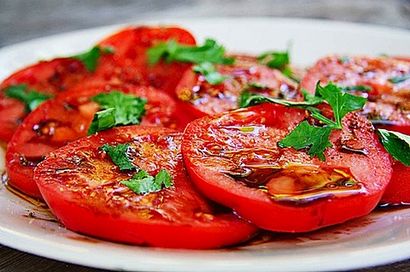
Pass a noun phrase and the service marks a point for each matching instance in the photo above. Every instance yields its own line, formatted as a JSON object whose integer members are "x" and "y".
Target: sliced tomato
{"x": 388, "y": 103}
{"x": 131, "y": 46}
{"x": 126, "y": 64}
{"x": 64, "y": 119}
{"x": 201, "y": 98}
{"x": 50, "y": 77}
{"x": 83, "y": 188}
{"x": 234, "y": 160}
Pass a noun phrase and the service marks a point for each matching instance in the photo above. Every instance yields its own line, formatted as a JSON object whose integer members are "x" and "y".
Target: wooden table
{"x": 22, "y": 20}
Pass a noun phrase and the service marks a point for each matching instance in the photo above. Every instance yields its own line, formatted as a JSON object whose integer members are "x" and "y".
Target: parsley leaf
{"x": 308, "y": 136}
{"x": 91, "y": 57}
{"x": 143, "y": 183}
{"x": 275, "y": 59}
{"x": 118, "y": 154}
{"x": 209, "y": 71}
{"x": 247, "y": 99}
{"x": 340, "y": 102}
{"x": 357, "y": 88}
{"x": 397, "y": 144}
{"x": 399, "y": 79}
{"x": 117, "y": 109}
{"x": 31, "y": 98}
{"x": 171, "y": 51}
{"x": 204, "y": 56}
{"x": 317, "y": 138}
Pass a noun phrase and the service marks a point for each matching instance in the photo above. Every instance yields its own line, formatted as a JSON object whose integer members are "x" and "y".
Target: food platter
{"x": 382, "y": 237}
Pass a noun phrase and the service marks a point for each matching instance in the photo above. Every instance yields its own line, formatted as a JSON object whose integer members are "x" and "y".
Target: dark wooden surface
{"x": 26, "y": 19}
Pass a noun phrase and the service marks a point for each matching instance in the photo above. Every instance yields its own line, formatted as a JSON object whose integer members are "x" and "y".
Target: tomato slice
{"x": 132, "y": 44}
{"x": 126, "y": 64}
{"x": 64, "y": 119}
{"x": 50, "y": 77}
{"x": 201, "y": 98}
{"x": 234, "y": 160}
{"x": 388, "y": 102}
{"x": 84, "y": 191}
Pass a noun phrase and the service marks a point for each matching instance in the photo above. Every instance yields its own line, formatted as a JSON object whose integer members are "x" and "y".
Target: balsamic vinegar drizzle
{"x": 297, "y": 184}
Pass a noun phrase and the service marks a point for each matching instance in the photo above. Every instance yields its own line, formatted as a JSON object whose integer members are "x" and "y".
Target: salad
{"x": 149, "y": 137}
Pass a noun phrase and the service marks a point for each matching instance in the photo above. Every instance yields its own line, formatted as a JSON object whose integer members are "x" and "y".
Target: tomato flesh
{"x": 83, "y": 189}
{"x": 202, "y": 98}
{"x": 388, "y": 103}
{"x": 126, "y": 65}
{"x": 64, "y": 119}
{"x": 234, "y": 160}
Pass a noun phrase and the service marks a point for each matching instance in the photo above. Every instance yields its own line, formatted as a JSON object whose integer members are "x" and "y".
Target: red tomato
{"x": 64, "y": 119}
{"x": 202, "y": 98}
{"x": 131, "y": 45}
{"x": 127, "y": 64}
{"x": 49, "y": 77}
{"x": 234, "y": 160}
{"x": 388, "y": 103}
{"x": 83, "y": 188}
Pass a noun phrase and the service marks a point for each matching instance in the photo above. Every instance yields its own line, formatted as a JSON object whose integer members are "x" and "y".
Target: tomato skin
{"x": 255, "y": 205}
{"x": 201, "y": 98}
{"x": 171, "y": 220}
{"x": 64, "y": 119}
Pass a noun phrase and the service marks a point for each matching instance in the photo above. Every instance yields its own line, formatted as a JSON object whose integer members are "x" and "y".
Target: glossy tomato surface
{"x": 64, "y": 119}
{"x": 83, "y": 188}
{"x": 202, "y": 98}
{"x": 50, "y": 77}
{"x": 388, "y": 103}
{"x": 234, "y": 159}
{"x": 126, "y": 63}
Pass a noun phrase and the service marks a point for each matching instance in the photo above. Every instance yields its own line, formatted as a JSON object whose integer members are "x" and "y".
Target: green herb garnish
{"x": 316, "y": 139}
{"x": 204, "y": 56}
{"x": 117, "y": 109}
{"x": 275, "y": 59}
{"x": 399, "y": 79}
{"x": 247, "y": 99}
{"x": 143, "y": 183}
{"x": 171, "y": 51}
{"x": 118, "y": 154}
{"x": 397, "y": 144}
{"x": 279, "y": 60}
{"x": 91, "y": 57}
{"x": 31, "y": 98}
{"x": 209, "y": 71}
{"x": 358, "y": 88}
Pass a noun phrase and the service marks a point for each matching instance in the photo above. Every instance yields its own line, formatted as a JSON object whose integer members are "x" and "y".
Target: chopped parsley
{"x": 91, "y": 57}
{"x": 118, "y": 154}
{"x": 279, "y": 60}
{"x": 209, "y": 71}
{"x": 308, "y": 136}
{"x": 315, "y": 138}
{"x": 358, "y": 88}
{"x": 31, "y": 98}
{"x": 144, "y": 183}
{"x": 205, "y": 56}
{"x": 399, "y": 79}
{"x": 117, "y": 109}
{"x": 397, "y": 144}
{"x": 247, "y": 99}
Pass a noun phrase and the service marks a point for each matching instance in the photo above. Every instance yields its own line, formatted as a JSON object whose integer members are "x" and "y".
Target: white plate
{"x": 379, "y": 238}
